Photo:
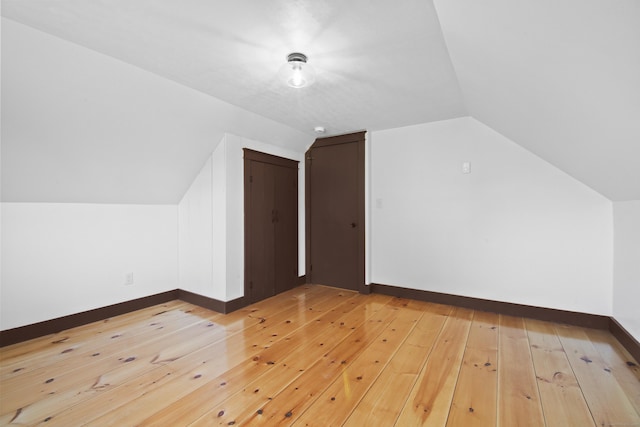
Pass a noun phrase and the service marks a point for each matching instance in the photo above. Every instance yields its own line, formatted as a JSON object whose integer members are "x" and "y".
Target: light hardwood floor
{"x": 320, "y": 356}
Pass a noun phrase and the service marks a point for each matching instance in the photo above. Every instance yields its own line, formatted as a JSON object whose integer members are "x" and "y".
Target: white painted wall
{"x": 61, "y": 259}
{"x": 219, "y": 220}
{"x": 212, "y": 220}
{"x": 626, "y": 273}
{"x": 516, "y": 229}
{"x": 202, "y": 220}
{"x": 195, "y": 235}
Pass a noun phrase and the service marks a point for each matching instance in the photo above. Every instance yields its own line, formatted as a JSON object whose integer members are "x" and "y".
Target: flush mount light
{"x": 296, "y": 72}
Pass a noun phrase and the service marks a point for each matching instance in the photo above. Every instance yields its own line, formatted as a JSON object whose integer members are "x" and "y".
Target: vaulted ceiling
{"x": 561, "y": 78}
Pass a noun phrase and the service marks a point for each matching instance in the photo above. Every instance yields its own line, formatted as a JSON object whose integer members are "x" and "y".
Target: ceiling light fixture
{"x": 296, "y": 72}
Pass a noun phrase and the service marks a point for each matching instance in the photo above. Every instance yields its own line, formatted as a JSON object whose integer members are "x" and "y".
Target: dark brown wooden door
{"x": 261, "y": 236}
{"x": 335, "y": 212}
{"x": 271, "y": 225}
{"x": 286, "y": 228}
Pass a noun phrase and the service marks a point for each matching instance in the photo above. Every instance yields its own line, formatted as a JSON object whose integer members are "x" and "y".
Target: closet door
{"x": 286, "y": 228}
{"x": 271, "y": 225}
{"x": 261, "y": 260}
{"x": 335, "y": 212}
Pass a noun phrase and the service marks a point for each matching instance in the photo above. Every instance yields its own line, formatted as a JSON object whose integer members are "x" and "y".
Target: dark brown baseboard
{"x": 587, "y": 320}
{"x": 211, "y": 303}
{"x": 625, "y": 338}
{"x": 532, "y": 312}
{"x": 35, "y": 330}
{"x": 302, "y": 280}
{"x": 202, "y": 301}
{"x": 235, "y": 304}
{"x": 40, "y": 329}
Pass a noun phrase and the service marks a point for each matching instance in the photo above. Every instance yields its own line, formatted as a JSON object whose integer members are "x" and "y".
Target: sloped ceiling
{"x": 379, "y": 64}
{"x": 81, "y": 127}
{"x": 559, "y": 78}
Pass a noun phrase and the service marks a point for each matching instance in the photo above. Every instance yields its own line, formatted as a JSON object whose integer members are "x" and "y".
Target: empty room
{"x": 320, "y": 213}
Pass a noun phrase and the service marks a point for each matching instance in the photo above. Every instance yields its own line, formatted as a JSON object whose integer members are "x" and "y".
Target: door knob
{"x": 354, "y": 225}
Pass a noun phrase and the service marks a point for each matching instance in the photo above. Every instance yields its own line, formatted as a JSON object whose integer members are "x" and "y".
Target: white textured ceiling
{"x": 559, "y": 77}
{"x": 379, "y": 64}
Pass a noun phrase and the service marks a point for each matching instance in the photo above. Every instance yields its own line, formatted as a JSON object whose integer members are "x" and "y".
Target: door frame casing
{"x": 351, "y": 138}
{"x": 250, "y": 155}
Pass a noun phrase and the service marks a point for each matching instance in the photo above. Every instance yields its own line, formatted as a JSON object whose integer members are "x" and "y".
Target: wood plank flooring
{"x": 319, "y": 356}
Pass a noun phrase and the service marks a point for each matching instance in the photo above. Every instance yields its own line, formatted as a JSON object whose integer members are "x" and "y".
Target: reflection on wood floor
{"x": 320, "y": 356}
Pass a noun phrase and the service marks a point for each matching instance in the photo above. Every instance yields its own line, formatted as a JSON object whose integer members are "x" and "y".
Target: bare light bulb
{"x": 296, "y": 72}
{"x": 297, "y": 76}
